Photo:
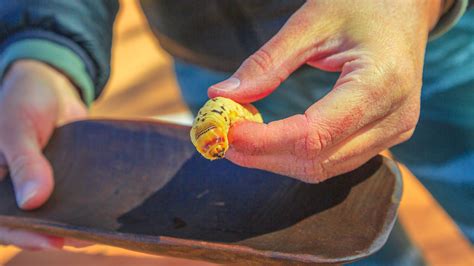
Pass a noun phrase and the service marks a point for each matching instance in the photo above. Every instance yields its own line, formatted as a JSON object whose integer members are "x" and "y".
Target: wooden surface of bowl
{"x": 141, "y": 185}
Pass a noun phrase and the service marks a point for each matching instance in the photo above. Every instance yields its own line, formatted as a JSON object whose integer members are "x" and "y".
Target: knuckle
{"x": 316, "y": 139}
{"x": 307, "y": 147}
{"x": 313, "y": 143}
{"x": 262, "y": 59}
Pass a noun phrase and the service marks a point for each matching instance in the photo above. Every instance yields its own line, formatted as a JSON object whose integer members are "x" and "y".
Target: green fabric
{"x": 448, "y": 20}
{"x": 53, "y": 54}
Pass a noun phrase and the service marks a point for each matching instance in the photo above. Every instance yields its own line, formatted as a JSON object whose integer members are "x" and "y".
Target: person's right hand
{"x": 34, "y": 99}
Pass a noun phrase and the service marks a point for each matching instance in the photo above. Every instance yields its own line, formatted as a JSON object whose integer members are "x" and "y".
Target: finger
{"x": 311, "y": 170}
{"x": 344, "y": 157}
{"x": 32, "y": 177}
{"x": 3, "y": 166}
{"x": 361, "y": 96}
{"x": 277, "y": 136}
{"x": 29, "y": 240}
{"x": 284, "y": 164}
{"x": 304, "y": 36}
{"x": 31, "y": 173}
{"x": 306, "y": 170}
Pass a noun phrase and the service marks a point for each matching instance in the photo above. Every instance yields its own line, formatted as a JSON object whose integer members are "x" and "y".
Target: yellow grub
{"x": 211, "y": 125}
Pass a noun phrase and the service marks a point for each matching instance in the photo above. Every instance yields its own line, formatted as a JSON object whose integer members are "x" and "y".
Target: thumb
{"x": 266, "y": 69}
{"x": 30, "y": 172}
{"x": 35, "y": 97}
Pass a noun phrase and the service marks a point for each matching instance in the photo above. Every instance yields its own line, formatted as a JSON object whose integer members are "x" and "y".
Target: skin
{"x": 37, "y": 98}
{"x": 378, "y": 46}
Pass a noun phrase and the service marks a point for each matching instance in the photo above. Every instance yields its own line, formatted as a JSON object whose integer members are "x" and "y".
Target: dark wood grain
{"x": 142, "y": 186}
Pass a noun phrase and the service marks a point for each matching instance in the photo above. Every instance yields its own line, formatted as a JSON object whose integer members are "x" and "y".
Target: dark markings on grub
{"x": 222, "y": 107}
{"x": 204, "y": 131}
{"x": 214, "y": 99}
{"x": 217, "y": 112}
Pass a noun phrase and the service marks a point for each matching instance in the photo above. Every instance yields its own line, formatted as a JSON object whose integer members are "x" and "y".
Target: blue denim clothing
{"x": 440, "y": 153}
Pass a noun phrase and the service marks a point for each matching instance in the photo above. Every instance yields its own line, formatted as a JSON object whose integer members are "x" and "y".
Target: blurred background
{"x": 140, "y": 67}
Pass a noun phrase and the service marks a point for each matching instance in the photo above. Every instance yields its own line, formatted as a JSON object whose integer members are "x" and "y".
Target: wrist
{"x": 50, "y": 76}
{"x": 62, "y": 92}
{"x": 55, "y": 51}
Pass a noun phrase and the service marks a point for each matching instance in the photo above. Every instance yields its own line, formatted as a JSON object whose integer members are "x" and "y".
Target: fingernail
{"x": 26, "y": 192}
{"x": 228, "y": 85}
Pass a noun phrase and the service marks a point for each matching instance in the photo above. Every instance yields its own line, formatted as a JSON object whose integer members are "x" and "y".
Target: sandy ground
{"x": 143, "y": 85}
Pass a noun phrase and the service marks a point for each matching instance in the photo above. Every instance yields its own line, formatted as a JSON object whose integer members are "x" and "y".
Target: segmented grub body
{"x": 211, "y": 125}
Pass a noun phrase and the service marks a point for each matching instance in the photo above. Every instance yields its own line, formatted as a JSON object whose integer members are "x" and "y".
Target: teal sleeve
{"x": 448, "y": 20}
{"x": 56, "y": 55}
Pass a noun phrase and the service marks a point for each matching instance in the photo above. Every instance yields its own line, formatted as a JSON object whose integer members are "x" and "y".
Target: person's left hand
{"x": 378, "y": 46}
{"x": 35, "y": 98}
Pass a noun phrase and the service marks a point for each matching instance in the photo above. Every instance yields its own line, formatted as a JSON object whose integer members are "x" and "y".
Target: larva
{"x": 211, "y": 125}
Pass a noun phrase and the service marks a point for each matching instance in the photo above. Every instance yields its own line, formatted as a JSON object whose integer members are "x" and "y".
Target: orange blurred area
{"x": 143, "y": 85}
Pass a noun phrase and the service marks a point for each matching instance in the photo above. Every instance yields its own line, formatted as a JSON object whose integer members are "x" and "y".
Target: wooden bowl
{"x": 142, "y": 186}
